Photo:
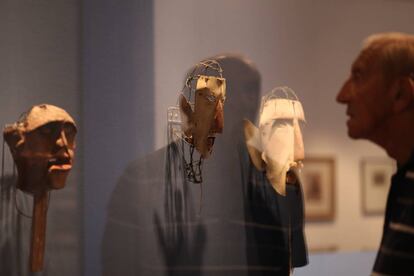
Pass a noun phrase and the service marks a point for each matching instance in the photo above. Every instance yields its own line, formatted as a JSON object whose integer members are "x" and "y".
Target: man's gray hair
{"x": 394, "y": 53}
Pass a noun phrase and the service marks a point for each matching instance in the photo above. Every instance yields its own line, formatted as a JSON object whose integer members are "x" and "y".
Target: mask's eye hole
{"x": 70, "y": 132}
{"x": 211, "y": 98}
{"x": 50, "y": 130}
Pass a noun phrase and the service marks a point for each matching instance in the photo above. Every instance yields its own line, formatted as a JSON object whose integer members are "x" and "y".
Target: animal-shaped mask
{"x": 276, "y": 145}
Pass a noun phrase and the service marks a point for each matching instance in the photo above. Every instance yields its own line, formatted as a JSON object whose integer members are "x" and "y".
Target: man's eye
{"x": 356, "y": 75}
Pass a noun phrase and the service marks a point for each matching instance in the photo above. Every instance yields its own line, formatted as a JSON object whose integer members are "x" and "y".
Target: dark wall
{"x": 118, "y": 104}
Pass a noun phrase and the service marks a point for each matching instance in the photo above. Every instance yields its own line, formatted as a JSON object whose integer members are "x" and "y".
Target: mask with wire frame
{"x": 276, "y": 146}
{"x": 201, "y": 114}
{"x": 42, "y": 144}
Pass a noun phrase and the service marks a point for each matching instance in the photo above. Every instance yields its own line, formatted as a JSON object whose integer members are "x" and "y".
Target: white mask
{"x": 277, "y": 145}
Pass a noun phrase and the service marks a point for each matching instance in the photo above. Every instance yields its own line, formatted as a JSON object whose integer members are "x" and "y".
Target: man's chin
{"x": 353, "y": 132}
{"x": 352, "y": 135}
{"x": 357, "y": 134}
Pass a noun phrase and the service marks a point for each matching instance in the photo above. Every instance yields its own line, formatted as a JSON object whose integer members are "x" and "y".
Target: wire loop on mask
{"x": 201, "y": 68}
{"x": 282, "y": 92}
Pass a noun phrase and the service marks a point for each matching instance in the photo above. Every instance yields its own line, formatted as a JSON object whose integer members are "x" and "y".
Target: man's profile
{"x": 379, "y": 95}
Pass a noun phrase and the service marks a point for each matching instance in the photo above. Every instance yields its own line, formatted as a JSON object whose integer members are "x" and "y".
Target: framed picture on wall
{"x": 318, "y": 182}
{"x": 376, "y": 175}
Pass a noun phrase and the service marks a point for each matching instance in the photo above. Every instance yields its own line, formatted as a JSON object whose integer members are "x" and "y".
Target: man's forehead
{"x": 43, "y": 114}
{"x": 365, "y": 61}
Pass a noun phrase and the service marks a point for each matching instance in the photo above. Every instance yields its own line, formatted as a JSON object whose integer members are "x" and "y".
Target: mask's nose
{"x": 218, "y": 123}
{"x": 62, "y": 142}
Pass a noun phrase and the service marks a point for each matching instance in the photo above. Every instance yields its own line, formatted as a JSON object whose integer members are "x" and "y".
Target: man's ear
{"x": 186, "y": 115}
{"x": 403, "y": 94}
{"x": 13, "y": 137}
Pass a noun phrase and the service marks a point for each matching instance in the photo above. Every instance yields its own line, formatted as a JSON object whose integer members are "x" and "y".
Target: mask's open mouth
{"x": 210, "y": 140}
{"x": 59, "y": 164}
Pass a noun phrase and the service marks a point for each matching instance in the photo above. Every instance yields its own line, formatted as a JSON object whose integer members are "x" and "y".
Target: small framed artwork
{"x": 376, "y": 176}
{"x": 318, "y": 182}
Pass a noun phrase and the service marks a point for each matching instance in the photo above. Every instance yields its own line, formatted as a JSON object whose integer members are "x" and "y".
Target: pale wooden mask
{"x": 276, "y": 145}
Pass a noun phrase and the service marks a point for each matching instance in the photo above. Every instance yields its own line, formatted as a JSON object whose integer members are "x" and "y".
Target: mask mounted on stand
{"x": 201, "y": 113}
{"x": 276, "y": 146}
{"x": 42, "y": 143}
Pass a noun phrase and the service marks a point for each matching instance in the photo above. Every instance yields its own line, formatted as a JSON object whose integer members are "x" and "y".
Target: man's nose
{"x": 344, "y": 94}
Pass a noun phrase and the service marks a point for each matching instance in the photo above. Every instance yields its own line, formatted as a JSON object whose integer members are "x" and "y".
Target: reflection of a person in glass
{"x": 379, "y": 95}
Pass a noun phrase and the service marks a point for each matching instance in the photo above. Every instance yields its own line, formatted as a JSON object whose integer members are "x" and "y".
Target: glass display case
{"x": 165, "y": 185}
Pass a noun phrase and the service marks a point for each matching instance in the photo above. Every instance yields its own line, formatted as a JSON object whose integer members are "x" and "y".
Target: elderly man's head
{"x": 42, "y": 143}
{"x": 380, "y": 87}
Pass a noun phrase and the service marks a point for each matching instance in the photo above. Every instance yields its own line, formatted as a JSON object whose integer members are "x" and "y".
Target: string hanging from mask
{"x": 14, "y": 191}
{"x": 2, "y": 180}
{"x": 2, "y": 170}
{"x": 12, "y": 226}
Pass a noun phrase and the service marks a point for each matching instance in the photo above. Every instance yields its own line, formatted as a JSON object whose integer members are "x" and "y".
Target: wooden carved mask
{"x": 42, "y": 144}
{"x": 206, "y": 119}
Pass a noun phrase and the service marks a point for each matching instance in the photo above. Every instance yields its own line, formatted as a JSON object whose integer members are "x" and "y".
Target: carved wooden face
{"x": 43, "y": 146}
{"x": 207, "y": 119}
